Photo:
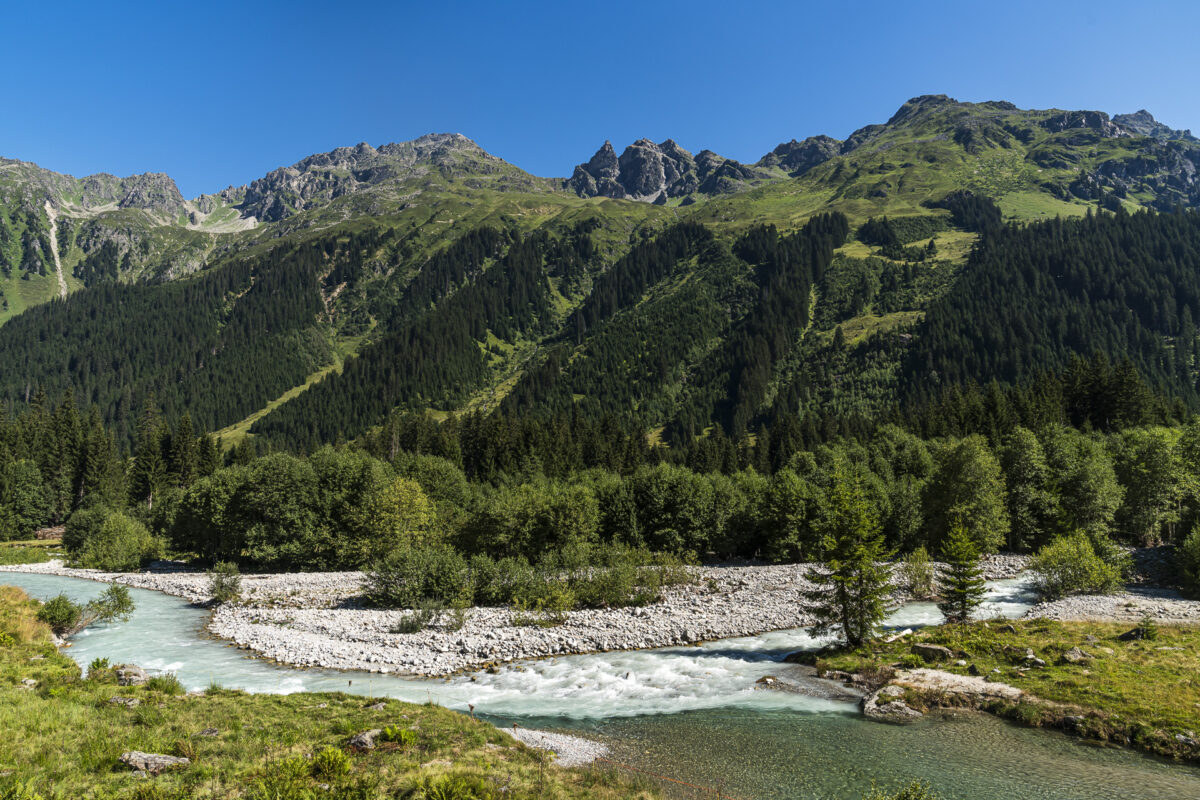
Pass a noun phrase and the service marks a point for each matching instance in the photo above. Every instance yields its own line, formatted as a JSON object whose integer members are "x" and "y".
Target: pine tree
{"x": 852, "y": 584}
{"x": 183, "y": 452}
{"x": 962, "y": 581}
{"x": 148, "y": 475}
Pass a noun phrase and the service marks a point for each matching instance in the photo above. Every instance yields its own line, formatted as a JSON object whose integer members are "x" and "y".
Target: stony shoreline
{"x": 315, "y": 620}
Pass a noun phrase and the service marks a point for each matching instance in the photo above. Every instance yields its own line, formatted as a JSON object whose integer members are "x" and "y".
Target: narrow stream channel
{"x": 689, "y": 712}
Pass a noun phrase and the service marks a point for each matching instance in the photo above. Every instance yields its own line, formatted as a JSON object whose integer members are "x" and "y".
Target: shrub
{"x": 66, "y": 617}
{"x": 1069, "y": 565}
{"x": 167, "y": 683}
{"x": 60, "y": 613}
{"x": 122, "y": 544}
{"x": 283, "y": 780}
{"x": 330, "y": 764}
{"x": 916, "y": 574}
{"x": 917, "y": 790}
{"x": 420, "y": 618}
{"x": 1187, "y": 561}
{"x": 6, "y": 640}
{"x": 911, "y": 661}
{"x": 407, "y": 576}
{"x": 1148, "y": 628}
{"x": 397, "y": 735}
{"x": 225, "y": 582}
{"x": 100, "y": 671}
{"x": 82, "y": 526}
{"x": 454, "y": 787}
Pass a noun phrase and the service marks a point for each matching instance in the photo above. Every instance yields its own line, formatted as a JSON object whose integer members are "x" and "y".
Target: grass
{"x": 30, "y": 552}
{"x": 63, "y": 738}
{"x": 1140, "y": 692}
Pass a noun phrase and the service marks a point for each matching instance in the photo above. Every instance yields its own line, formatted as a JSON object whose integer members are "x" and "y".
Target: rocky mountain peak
{"x": 1143, "y": 123}
{"x": 654, "y": 172}
{"x": 323, "y": 177}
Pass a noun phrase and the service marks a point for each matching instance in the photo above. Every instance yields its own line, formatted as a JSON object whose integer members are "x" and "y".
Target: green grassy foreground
{"x": 63, "y": 737}
{"x": 1140, "y": 693}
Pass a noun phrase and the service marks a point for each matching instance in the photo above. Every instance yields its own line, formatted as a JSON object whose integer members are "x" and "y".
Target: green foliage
{"x": 425, "y": 612}
{"x": 1187, "y": 561}
{"x": 330, "y": 764}
{"x": 1147, "y": 628}
{"x": 225, "y": 582}
{"x": 1069, "y": 565}
{"x": 962, "y": 584}
{"x": 916, "y": 790}
{"x": 122, "y": 544}
{"x": 167, "y": 683}
{"x": 967, "y": 487}
{"x": 405, "y": 577}
{"x": 60, "y": 613}
{"x": 851, "y": 584}
{"x": 454, "y": 787}
{"x": 917, "y": 573}
{"x": 394, "y": 734}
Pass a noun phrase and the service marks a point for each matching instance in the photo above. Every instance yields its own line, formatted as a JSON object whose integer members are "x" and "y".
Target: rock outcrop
{"x": 151, "y": 763}
{"x": 654, "y": 173}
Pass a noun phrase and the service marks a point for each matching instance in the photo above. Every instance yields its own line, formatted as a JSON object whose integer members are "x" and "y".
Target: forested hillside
{"x": 835, "y": 284}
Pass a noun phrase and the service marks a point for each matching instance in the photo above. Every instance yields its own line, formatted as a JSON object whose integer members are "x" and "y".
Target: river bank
{"x": 317, "y": 619}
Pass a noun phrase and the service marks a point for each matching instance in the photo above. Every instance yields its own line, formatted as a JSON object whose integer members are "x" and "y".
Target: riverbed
{"x": 693, "y": 712}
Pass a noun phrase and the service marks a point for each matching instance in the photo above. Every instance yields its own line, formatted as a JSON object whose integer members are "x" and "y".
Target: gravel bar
{"x": 316, "y": 619}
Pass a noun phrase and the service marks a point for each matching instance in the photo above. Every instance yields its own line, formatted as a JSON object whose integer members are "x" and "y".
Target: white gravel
{"x": 569, "y": 751}
{"x": 1164, "y": 605}
{"x": 314, "y": 619}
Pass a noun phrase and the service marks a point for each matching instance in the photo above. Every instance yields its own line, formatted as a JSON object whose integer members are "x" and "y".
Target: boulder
{"x": 377, "y": 706}
{"x": 131, "y": 675}
{"x": 152, "y": 763}
{"x": 885, "y": 705}
{"x": 1074, "y": 656}
{"x": 209, "y": 732}
{"x": 366, "y": 739}
{"x": 127, "y": 702}
{"x": 930, "y": 653}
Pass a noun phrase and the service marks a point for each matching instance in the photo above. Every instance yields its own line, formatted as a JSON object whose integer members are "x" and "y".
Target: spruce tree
{"x": 851, "y": 585}
{"x": 962, "y": 581}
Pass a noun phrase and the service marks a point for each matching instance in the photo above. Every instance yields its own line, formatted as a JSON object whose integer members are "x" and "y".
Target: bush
{"x": 1187, "y": 561}
{"x": 454, "y": 787}
{"x": 122, "y": 544}
{"x": 60, "y": 613}
{"x": 1069, "y": 565}
{"x": 397, "y": 735}
{"x": 420, "y": 618}
{"x": 917, "y": 790}
{"x": 407, "y": 576}
{"x": 225, "y": 582}
{"x": 82, "y": 526}
{"x": 916, "y": 574}
{"x": 167, "y": 683}
{"x": 330, "y": 764}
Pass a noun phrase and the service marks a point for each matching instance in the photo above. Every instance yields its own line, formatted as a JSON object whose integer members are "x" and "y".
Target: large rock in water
{"x": 152, "y": 763}
{"x": 885, "y": 705}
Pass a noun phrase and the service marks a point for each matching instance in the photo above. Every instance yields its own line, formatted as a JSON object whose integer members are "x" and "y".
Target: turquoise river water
{"x": 688, "y": 712}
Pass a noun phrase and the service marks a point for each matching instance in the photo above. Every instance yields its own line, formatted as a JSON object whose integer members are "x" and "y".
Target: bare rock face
{"x": 323, "y": 177}
{"x": 1143, "y": 123}
{"x": 799, "y": 157}
{"x": 654, "y": 172}
{"x": 366, "y": 739}
{"x": 152, "y": 763}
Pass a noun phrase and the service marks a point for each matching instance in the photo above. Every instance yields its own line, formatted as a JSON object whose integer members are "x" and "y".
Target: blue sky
{"x": 219, "y": 93}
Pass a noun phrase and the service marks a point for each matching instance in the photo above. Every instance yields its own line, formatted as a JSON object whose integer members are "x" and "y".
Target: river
{"x": 689, "y": 712}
